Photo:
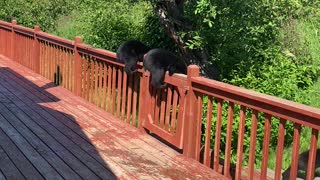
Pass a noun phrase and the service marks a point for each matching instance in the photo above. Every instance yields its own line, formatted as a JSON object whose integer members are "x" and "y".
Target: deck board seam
{"x": 57, "y": 140}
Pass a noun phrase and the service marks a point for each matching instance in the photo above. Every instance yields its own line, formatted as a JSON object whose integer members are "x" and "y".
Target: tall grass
{"x": 67, "y": 27}
{"x": 307, "y": 34}
{"x": 310, "y": 32}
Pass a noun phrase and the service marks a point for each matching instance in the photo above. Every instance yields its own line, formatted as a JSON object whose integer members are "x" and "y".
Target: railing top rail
{"x": 55, "y": 40}
{"x": 5, "y": 23}
{"x": 103, "y": 55}
{"x": 23, "y": 30}
{"x": 275, "y": 106}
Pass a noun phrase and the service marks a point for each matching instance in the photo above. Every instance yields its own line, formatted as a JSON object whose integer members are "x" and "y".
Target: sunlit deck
{"x": 46, "y": 132}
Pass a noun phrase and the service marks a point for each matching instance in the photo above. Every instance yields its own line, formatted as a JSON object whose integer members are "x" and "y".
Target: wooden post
{"x": 36, "y": 50}
{"x": 144, "y": 98}
{"x": 13, "y": 23}
{"x": 77, "y": 67}
{"x": 190, "y": 128}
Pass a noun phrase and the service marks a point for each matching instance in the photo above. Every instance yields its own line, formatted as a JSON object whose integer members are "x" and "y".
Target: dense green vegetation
{"x": 265, "y": 45}
{"x": 33, "y": 12}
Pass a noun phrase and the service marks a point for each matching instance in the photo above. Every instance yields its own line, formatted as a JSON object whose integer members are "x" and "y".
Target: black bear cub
{"x": 130, "y": 52}
{"x": 302, "y": 165}
{"x": 158, "y": 61}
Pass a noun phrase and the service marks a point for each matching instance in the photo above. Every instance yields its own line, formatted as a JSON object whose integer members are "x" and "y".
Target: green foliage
{"x": 260, "y": 46}
{"x": 35, "y": 12}
{"x": 108, "y": 24}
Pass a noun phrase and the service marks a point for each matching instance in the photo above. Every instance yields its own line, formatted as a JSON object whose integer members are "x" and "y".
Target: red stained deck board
{"x": 63, "y": 130}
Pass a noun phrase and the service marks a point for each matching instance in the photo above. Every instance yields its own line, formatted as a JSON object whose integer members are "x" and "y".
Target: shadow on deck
{"x": 48, "y": 133}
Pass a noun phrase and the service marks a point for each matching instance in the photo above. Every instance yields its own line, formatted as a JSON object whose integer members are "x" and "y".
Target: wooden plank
{"x": 168, "y": 108}
{"x": 265, "y": 148}
{"x": 227, "y": 159}
{"x": 9, "y": 170}
{"x": 109, "y": 103}
{"x": 312, "y": 154}
{"x": 207, "y": 157}
{"x": 136, "y": 83}
{"x": 49, "y": 151}
{"x": 36, "y": 159}
{"x": 129, "y": 99}
{"x": 280, "y": 145}
{"x": 173, "y": 124}
{"x": 75, "y": 163}
{"x": 113, "y": 92}
{"x": 295, "y": 151}
{"x": 105, "y": 76}
{"x": 217, "y": 136}
{"x": 119, "y": 94}
{"x": 198, "y": 119}
{"x": 253, "y": 138}
{"x": 163, "y": 94}
{"x": 240, "y": 142}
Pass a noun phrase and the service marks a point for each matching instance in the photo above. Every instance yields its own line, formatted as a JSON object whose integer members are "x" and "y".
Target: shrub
{"x": 37, "y": 12}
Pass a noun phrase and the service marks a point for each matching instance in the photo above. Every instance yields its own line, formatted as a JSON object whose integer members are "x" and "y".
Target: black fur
{"x": 302, "y": 165}
{"x": 130, "y": 52}
{"x": 158, "y": 61}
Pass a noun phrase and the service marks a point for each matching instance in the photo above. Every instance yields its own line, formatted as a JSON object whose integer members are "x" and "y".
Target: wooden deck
{"x": 48, "y": 133}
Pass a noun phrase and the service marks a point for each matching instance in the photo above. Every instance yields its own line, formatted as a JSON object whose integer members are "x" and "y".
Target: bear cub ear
{"x": 130, "y": 52}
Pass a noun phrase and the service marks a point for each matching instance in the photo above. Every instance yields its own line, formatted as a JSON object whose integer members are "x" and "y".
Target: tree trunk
{"x": 171, "y": 16}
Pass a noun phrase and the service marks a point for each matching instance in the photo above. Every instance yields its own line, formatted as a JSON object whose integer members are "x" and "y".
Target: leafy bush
{"x": 35, "y": 12}
{"x": 256, "y": 46}
{"x": 108, "y": 24}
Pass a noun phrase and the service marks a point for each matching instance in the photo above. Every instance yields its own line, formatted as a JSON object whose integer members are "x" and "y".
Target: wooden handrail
{"x": 298, "y": 113}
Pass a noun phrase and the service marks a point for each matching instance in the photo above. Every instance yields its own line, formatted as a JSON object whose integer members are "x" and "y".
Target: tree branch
{"x": 171, "y": 16}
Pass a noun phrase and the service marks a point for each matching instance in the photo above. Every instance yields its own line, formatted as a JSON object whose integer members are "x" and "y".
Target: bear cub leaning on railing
{"x": 302, "y": 165}
{"x": 156, "y": 61}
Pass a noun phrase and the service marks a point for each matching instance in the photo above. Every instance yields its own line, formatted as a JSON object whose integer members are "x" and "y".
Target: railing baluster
{"x": 96, "y": 80}
{"x": 163, "y": 107}
{"x": 312, "y": 154}
{"x": 135, "y": 98}
{"x": 253, "y": 135}
{"x": 174, "y": 110}
{"x": 295, "y": 152}
{"x": 265, "y": 148}
{"x": 281, "y": 131}
{"x": 168, "y": 108}
{"x": 114, "y": 82}
{"x": 218, "y": 136}
{"x": 198, "y": 127}
{"x": 119, "y": 90}
{"x": 105, "y": 86}
{"x": 129, "y": 100}
{"x": 144, "y": 99}
{"x": 226, "y": 169}
{"x": 13, "y": 39}
{"x": 100, "y": 84}
{"x": 124, "y": 96}
{"x": 240, "y": 142}
{"x": 207, "y": 158}
{"x": 109, "y": 97}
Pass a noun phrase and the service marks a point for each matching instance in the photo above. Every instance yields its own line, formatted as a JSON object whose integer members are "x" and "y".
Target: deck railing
{"x": 188, "y": 114}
